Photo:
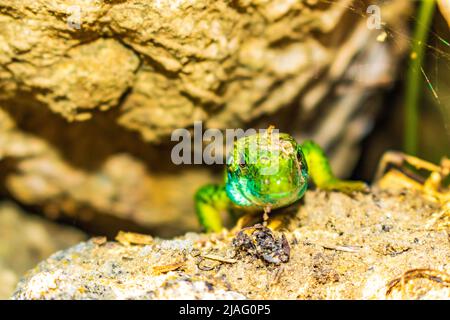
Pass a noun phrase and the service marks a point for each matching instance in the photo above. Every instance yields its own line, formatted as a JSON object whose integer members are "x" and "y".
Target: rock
{"x": 93, "y": 90}
{"x": 25, "y": 240}
{"x": 341, "y": 247}
{"x": 193, "y": 60}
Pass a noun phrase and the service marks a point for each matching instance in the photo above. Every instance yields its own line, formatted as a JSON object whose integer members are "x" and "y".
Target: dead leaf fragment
{"x": 127, "y": 238}
{"x": 157, "y": 270}
{"x": 99, "y": 240}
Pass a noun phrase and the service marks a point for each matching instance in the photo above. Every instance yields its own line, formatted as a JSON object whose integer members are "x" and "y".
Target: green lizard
{"x": 267, "y": 171}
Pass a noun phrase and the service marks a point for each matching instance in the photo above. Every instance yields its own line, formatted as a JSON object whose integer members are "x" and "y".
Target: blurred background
{"x": 90, "y": 92}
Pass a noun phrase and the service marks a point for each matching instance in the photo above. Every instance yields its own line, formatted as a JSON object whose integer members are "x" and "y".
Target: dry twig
{"x": 440, "y": 277}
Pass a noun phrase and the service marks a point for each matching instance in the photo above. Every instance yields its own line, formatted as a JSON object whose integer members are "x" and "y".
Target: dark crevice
{"x": 86, "y": 145}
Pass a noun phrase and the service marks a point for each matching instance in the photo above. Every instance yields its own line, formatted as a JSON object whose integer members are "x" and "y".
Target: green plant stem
{"x": 414, "y": 82}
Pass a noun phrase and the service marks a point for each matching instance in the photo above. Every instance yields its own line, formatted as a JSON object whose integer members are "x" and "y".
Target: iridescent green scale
{"x": 274, "y": 174}
{"x": 266, "y": 171}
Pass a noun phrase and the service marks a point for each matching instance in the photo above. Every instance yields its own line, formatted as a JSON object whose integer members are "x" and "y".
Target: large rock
{"x": 218, "y": 61}
{"x": 92, "y": 102}
{"x": 341, "y": 247}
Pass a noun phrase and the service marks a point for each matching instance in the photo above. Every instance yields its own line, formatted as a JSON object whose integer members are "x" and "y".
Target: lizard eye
{"x": 301, "y": 159}
{"x": 242, "y": 163}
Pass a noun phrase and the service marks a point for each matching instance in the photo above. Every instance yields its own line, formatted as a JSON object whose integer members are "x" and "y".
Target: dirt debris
{"x": 261, "y": 242}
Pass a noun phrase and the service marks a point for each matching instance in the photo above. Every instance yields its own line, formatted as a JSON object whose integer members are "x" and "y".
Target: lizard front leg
{"x": 320, "y": 170}
{"x": 210, "y": 201}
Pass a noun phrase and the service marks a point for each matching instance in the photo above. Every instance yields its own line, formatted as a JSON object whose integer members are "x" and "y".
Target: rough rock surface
{"x": 25, "y": 240}
{"x": 120, "y": 189}
{"x": 341, "y": 247}
{"x": 93, "y": 89}
{"x": 223, "y": 62}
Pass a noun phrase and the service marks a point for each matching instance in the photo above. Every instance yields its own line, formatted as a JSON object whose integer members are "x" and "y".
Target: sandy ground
{"x": 339, "y": 247}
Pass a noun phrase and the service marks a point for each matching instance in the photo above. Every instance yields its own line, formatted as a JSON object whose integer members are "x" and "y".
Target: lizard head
{"x": 267, "y": 169}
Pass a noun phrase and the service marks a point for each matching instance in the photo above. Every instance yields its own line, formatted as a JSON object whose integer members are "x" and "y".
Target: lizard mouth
{"x": 277, "y": 194}
{"x": 276, "y": 199}
{"x": 282, "y": 198}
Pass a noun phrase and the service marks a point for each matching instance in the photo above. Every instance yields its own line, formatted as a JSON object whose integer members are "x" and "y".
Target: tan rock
{"x": 26, "y": 239}
{"x": 92, "y": 90}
